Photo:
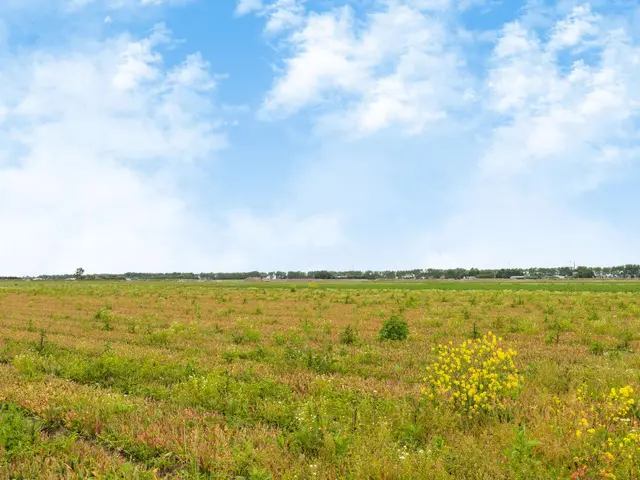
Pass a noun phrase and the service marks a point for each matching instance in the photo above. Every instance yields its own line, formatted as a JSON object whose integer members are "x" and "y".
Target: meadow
{"x": 301, "y": 381}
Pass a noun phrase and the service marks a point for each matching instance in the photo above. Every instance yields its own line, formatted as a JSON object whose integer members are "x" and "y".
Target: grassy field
{"x": 278, "y": 380}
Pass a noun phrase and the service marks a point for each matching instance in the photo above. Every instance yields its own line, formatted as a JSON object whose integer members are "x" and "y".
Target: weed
{"x": 624, "y": 340}
{"x": 17, "y": 433}
{"x": 596, "y": 348}
{"x": 522, "y": 456}
{"x": 476, "y": 377}
{"x": 245, "y": 335}
{"x": 349, "y": 336}
{"x": 395, "y": 328}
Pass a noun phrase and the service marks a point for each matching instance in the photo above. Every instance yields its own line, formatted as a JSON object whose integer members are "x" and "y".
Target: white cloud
{"x": 557, "y": 118}
{"x": 577, "y": 29}
{"x": 95, "y": 145}
{"x": 556, "y": 114}
{"x": 92, "y": 142}
{"x": 74, "y": 123}
{"x": 429, "y": 4}
{"x": 398, "y": 68}
{"x": 560, "y": 131}
{"x": 501, "y": 227}
{"x": 280, "y": 15}
{"x": 75, "y": 4}
{"x": 283, "y": 15}
{"x": 245, "y": 7}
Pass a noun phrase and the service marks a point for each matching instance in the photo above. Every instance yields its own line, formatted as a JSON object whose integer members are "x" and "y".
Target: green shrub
{"x": 596, "y": 348}
{"x": 102, "y": 314}
{"x": 307, "y": 440}
{"x": 17, "y": 433}
{"x": 245, "y": 335}
{"x": 410, "y": 434}
{"x": 624, "y": 340}
{"x": 394, "y": 328}
{"x": 349, "y": 336}
{"x": 159, "y": 338}
{"x": 322, "y": 361}
{"x": 30, "y": 366}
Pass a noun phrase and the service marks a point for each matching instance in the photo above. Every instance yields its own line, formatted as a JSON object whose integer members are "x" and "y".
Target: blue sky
{"x": 202, "y": 135}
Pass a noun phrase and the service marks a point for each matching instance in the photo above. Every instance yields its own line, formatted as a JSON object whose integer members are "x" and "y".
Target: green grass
{"x": 235, "y": 380}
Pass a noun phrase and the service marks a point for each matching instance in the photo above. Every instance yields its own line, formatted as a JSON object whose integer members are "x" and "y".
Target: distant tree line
{"x": 622, "y": 271}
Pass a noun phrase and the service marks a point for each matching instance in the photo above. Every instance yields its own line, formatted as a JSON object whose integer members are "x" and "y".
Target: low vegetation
{"x": 206, "y": 381}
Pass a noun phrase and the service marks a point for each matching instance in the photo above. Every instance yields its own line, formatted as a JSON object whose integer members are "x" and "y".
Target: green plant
{"x": 30, "y": 366}
{"x": 349, "y": 336}
{"x": 40, "y": 347}
{"x": 521, "y": 456}
{"x": 321, "y": 362}
{"x": 308, "y": 439}
{"x": 17, "y": 433}
{"x": 411, "y": 434}
{"x": 395, "y": 328}
{"x": 476, "y": 377}
{"x": 624, "y": 340}
{"x": 245, "y": 335}
{"x": 555, "y": 328}
{"x": 475, "y": 332}
{"x": 341, "y": 444}
{"x": 596, "y": 348}
{"x": 102, "y": 313}
{"x": 161, "y": 337}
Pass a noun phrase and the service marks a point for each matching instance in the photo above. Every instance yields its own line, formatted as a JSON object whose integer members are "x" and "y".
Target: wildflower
{"x": 475, "y": 377}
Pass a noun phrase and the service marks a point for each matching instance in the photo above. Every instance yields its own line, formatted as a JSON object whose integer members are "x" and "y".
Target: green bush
{"x": 596, "y": 348}
{"x": 245, "y": 335}
{"x": 349, "y": 336}
{"x": 394, "y": 328}
{"x": 17, "y": 433}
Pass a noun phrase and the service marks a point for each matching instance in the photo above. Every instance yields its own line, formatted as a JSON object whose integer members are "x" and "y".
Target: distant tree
{"x": 323, "y": 275}
{"x": 565, "y": 271}
{"x": 295, "y": 275}
{"x": 631, "y": 271}
{"x": 79, "y": 273}
{"x": 487, "y": 273}
{"x": 509, "y": 272}
{"x": 585, "y": 272}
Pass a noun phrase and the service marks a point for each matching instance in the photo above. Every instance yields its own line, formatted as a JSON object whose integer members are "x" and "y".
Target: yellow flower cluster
{"x": 611, "y": 439}
{"x": 621, "y": 403}
{"x": 477, "y": 376}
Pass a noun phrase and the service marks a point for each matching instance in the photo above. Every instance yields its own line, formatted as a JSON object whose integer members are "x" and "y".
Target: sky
{"x": 238, "y": 135}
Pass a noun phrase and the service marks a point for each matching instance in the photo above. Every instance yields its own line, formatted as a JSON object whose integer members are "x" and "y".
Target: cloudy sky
{"x": 217, "y": 135}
